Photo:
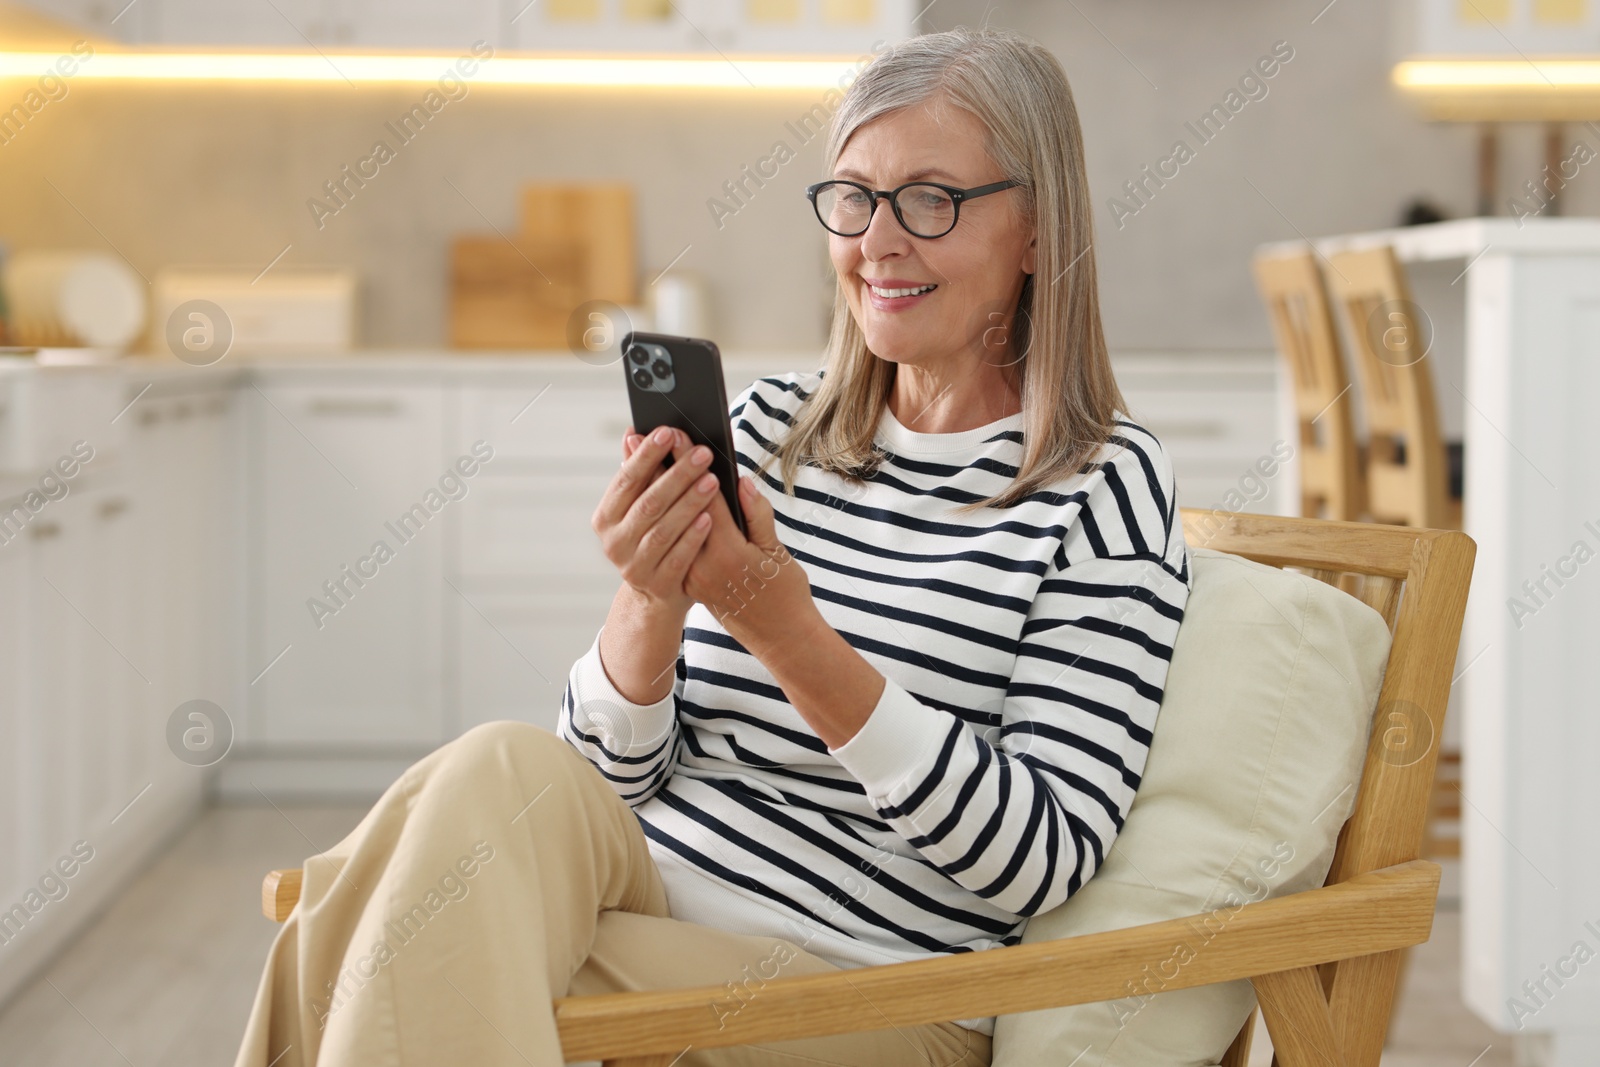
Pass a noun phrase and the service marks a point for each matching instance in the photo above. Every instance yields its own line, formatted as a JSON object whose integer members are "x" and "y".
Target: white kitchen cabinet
{"x": 529, "y": 585}
{"x": 830, "y": 27}
{"x": 114, "y": 615}
{"x": 334, "y": 466}
{"x": 447, "y": 27}
{"x": 531, "y": 589}
{"x": 513, "y": 651}
{"x": 295, "y": 24}
{"x": 185, "y": 502}
{"x": 118, "y": 20}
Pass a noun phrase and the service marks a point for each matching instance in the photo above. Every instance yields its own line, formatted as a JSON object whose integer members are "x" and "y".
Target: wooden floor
{"x": 166, "y": 976}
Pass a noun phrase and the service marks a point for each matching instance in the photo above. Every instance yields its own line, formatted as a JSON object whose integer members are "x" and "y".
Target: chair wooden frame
{"x": 1332, "y": 478}
{"x": 1407, "y": 470}
{"x": 1324, "y": 962}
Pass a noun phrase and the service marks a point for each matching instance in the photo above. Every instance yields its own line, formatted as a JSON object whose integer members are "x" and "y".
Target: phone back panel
{"x": 697, "y": 404}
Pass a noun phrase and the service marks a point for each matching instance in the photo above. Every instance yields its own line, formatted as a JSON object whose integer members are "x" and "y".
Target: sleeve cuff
{"x": 893, "y": 748}
{"x": 628, "y": 727}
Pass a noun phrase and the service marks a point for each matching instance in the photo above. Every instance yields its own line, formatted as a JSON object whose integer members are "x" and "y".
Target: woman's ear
{"x": 1030, "y": 255}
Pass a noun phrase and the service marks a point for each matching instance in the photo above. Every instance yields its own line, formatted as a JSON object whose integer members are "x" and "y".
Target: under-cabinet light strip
{"x": 1541, "y": 75}
{"x": 737, "y": 72}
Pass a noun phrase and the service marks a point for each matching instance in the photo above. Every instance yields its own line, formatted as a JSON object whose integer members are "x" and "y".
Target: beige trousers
{"x": 499, "y": 873}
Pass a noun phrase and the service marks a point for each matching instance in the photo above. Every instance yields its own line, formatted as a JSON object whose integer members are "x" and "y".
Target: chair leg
{"x": 1361, "y": 997}
{"x": 1238, "y": 1054}
{"x": 1298, "y": 1018}
{"x": 1399, "y": 992}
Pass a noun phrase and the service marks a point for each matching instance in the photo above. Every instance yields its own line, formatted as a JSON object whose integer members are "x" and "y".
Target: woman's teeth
{"x": 901, "y": 292}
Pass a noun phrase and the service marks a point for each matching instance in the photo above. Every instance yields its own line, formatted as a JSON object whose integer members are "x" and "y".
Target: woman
{"x": 907, "y": 712}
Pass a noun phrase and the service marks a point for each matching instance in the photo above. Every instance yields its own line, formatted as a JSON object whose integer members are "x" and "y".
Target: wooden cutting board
{"x": 514, "y": 294}
{"x": 596, "y": 215}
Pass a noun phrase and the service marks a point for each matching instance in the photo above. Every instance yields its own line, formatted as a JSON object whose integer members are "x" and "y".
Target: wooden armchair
{"x": 1324, "y": 963}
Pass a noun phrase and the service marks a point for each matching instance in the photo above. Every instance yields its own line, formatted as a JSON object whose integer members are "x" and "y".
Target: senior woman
{"x": 909, "y": 711}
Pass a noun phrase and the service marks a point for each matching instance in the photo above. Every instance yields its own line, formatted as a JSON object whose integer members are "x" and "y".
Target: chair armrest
{"x": 280, "y": 891}
{"x": 1374, "y": 912}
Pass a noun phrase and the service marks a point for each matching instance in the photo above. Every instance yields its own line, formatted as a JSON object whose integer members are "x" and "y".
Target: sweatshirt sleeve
{"x": 634, "y": 746}
{"x": 1022, "y": 813}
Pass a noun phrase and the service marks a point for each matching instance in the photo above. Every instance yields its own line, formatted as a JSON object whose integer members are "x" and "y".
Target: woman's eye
{"x": 932, "y": 198}
{"x": 853, "y": 199}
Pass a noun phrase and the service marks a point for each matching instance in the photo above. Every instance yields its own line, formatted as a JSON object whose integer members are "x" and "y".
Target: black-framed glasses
{"x": 925, "y": 209}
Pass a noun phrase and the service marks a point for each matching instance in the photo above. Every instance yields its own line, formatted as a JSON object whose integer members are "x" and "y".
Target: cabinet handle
{"x": 44, "y": 531}
{"x": 353, "y": 406}
{"x": 110, "y": 509}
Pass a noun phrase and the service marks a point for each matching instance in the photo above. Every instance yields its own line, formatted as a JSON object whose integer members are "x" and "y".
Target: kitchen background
{"x": 224, "y": 490}
{"x": 221, "y": 177}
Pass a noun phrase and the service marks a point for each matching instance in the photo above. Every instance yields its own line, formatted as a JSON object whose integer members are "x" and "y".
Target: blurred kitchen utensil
{"x": 202, "y": 312}
{"x": 60, "y": 298}
{"x": 679, "y": 304}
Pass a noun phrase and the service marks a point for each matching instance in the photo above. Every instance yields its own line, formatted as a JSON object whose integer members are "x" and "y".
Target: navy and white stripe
{"x": 1025, "y": 650}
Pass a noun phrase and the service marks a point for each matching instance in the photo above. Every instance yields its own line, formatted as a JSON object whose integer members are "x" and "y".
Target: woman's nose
{"x": 884, "y": 234}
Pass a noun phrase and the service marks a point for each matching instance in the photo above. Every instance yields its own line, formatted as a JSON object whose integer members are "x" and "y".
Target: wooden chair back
{"x": 1302, "y": 323}
{"x": 1407, "y": 472}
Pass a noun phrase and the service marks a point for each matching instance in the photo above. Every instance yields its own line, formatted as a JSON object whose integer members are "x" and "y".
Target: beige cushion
{"x": 1257, "y": 752}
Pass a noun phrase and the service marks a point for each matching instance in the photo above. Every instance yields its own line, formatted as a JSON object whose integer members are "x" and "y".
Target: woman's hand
{"x": 752, "y": 586}
{"x": 652, "y": 520}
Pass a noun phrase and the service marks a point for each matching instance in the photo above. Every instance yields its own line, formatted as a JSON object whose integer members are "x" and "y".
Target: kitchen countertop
{"x": 385, "y": 359}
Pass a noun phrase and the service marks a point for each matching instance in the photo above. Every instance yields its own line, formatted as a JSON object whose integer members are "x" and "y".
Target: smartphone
{"x": 677, "y": 381}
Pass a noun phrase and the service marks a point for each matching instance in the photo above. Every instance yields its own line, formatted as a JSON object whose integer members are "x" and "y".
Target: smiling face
{"x": 977, "y": 269}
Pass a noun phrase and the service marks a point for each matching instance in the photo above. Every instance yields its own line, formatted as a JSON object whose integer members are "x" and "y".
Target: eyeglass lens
{"x": 926, "y": 210}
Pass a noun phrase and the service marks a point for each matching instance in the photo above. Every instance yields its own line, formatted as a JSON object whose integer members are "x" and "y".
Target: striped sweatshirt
{"x": 1024, "y": 651}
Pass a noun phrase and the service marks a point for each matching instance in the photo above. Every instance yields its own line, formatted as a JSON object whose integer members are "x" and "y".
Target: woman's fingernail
{"x": 701, "y": 455}
{"x": 664, "y": 435}
{"x": 707, "y": 483}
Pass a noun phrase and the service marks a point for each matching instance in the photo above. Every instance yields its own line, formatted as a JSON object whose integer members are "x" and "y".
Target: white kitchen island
{"x": 1516, "y": 310}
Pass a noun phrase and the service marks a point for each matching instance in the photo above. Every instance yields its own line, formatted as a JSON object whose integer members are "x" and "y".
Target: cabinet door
{"x": 531, "y": 590}
{"x": 532, "y": 586}
{"x": 418, "y": 24}
{"x": 119, "y": 734}
{"x": 281, "y": 23}
{"x": 451, "y": 28}
{"x": 183, "y": 508}
{"x": 59, "y": 735}
{"x": 16, "y": 671}
{"x": 515, "y": 649}
{"x": 345, "y": 546}
{"x": 116, "y": 19}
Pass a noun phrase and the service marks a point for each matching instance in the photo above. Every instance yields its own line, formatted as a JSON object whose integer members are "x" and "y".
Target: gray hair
{"x": 1019, "y": 91}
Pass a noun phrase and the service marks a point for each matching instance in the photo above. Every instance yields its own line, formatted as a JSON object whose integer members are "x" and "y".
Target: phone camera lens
{"x": 661, "y": 368}
{"x": 641, "y": 378}
{"x": 638, "y": 355}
